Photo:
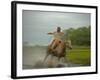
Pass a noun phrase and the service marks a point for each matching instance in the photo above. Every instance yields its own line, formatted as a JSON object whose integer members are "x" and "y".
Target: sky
{"x": 36, "y": 24}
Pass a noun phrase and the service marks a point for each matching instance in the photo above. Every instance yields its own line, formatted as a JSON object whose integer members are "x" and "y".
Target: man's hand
{"x": 50, "y": 33}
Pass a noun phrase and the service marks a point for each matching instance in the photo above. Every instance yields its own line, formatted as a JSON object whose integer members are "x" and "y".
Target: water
{"x": 33, "y": 59}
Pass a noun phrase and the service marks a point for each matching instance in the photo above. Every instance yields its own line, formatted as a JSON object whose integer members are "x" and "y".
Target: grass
{"x": 79, "y": 55}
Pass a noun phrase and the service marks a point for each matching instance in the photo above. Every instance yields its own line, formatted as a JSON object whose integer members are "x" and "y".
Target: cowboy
{"x": 58, "y": 38}
{"x": 58, "y": 45}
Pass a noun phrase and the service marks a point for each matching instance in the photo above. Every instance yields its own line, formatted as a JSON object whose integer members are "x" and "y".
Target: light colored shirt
{"x": 58, "y": 35}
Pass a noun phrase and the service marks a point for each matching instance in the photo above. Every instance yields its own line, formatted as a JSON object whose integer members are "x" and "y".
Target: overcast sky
{"x": 36, "y": 24}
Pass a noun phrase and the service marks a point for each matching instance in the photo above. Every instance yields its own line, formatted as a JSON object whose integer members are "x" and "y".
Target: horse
{"x": 59, "y": 50}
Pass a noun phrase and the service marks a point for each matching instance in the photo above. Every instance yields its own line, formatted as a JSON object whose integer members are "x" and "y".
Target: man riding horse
{"x": 58, "y": 45}
{"x": 58, "y": 37}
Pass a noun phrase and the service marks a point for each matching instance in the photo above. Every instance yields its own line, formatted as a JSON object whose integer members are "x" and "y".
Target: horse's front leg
{"x": 59, "y": 59}
{"x": 51, "y": 62}
{"x": 45, "y": 57}
{"x": 47, "y": 53}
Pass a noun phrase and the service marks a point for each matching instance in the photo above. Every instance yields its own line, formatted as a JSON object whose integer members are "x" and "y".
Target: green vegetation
{"x": 79, "y": 36}
{"x": 79, "y": 55}
{"x": 81, "y": 39}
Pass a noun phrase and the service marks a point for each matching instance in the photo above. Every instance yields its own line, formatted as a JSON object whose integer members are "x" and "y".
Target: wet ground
{"x": 33, "y": 59}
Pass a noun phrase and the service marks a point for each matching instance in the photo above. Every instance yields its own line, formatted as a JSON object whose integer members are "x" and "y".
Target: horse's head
{"x": 68, "y": 44}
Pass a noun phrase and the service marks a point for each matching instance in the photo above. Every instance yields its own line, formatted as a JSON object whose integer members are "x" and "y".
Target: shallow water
{"x": 33, "y": 59}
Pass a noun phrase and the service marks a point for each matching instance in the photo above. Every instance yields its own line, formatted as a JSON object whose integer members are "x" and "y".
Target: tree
{"x": 79, "y": 36}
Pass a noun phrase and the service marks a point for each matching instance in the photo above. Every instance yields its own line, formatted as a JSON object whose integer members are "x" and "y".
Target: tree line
{"x": 79, "y": 36}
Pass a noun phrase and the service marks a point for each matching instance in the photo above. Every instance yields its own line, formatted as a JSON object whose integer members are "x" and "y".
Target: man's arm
{"x": 50, "y": 33}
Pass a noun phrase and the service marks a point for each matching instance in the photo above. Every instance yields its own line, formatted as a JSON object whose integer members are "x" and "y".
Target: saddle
{"x": 55, "y": 43}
